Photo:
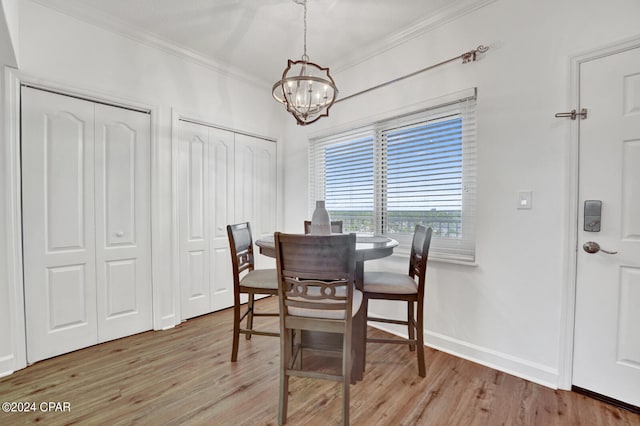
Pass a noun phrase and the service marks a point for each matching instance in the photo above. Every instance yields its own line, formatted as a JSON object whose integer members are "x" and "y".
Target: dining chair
{"x": 249, "y": 281}
{"x": 409, "y": 288}
{"x": 316, "y": 275}
{"x": 336, "y": 227}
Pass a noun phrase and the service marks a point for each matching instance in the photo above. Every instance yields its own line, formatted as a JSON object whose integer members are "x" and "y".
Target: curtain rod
{"x": 466, "y": 57}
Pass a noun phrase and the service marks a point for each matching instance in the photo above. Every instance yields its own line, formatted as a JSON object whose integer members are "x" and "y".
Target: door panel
{"x": 266, "y": 196}
{"x": 123, "y": 222}
{"x": 121, "y": 285}
{"x": 222, "y": 149}
{"x": 119, "y": 154}
{"x": 606, "y": 346}
{"x": 58, "y": 223}
{"x": 245, "y": 180}
{"x": 65, "y": 294}
{"x": 629, "y": 317}
{"x": 194, "y": 219}
{"x": 266, "y": 181}
{"x": 631, "y": 188}
{"x": 198, "y": 280}
{"x": 64, "y": 177}
{"x": 222, "y": 143}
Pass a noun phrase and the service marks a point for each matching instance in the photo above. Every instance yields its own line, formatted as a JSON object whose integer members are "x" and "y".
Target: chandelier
{"x": 306, "y": 89}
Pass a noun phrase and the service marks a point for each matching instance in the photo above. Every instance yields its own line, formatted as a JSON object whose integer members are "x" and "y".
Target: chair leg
{"x": 345, "y": 401}
{"x": 285, "y": 357}
{"x": 249, "y": 316}
{"x": 236, "y": 330}
{"x": 420, "y": 343}
{"x": 410, "y": 325}
{"x": 365, "y": 308}
{"x": 295, "y": 346}
{"x": 346, "y": 376}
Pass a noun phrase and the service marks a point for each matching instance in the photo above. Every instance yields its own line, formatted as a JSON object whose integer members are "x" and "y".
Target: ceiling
{"x": 254, "y": 38}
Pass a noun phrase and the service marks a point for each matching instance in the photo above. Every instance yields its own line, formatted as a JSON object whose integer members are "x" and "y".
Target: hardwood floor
{"x": 184, "y": 376}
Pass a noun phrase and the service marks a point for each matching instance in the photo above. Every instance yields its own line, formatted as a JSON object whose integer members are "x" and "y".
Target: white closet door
{"x": 123, "y": 222}
{"x": 194, "y": 219}
{"x": 266, "y": 194}
{"x": 58, "y": 223}
{"x": 223, "y": 178}
{"x": 255, "y": 202}
{"x": 245, "y": 180}
{"x": 222, "y": 150}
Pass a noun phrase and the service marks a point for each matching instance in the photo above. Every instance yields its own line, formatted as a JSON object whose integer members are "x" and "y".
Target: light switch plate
{"x": 524, "y": 200}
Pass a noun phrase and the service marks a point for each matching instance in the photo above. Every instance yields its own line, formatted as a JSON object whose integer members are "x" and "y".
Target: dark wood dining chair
{"x": 404, "y": 287}
{"x": 336, "y": 226}
{"x": 316, "y": 276}
{"x": 249, "y": 281}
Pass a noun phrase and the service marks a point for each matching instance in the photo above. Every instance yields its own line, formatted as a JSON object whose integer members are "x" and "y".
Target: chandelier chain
{"x": 304, "y": 56}
{"x": 303, "y": 3}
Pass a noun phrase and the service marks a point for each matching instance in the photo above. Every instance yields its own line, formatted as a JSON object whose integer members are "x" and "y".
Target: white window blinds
{"x": 387, "y": 177}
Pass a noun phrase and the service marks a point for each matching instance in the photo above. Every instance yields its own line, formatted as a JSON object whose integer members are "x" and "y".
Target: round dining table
{"x": 368, "y": 247}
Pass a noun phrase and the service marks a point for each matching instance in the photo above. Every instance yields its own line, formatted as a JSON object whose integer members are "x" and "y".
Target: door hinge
{"x": 573, "y": 114}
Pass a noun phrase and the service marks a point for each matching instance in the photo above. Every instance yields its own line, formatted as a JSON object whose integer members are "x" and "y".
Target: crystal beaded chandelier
{"x": 306, "y": 89}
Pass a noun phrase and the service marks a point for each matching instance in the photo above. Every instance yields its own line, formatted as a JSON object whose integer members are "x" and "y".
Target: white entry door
{"x": 607, "y": 322}
{"x": 86, "y": 223}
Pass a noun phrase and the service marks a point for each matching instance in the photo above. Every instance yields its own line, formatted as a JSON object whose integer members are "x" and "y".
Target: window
{"x": 385, "y": 178}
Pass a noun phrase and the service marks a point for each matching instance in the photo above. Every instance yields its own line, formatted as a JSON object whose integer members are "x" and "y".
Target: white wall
{"x": 78, "y": 56}
{"x": 9, "y": 52}
{"x": 506, "y": 311}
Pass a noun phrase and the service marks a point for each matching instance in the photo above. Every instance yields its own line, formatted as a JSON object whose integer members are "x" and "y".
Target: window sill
{"x": 472, "y": 264}
{"x": 439, "y": 259}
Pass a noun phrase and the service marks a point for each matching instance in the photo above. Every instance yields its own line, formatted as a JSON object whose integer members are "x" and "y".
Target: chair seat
{"x": 261, "y": 278}
{"x": 356, "y": 302}
{"x": 390, "y": 283}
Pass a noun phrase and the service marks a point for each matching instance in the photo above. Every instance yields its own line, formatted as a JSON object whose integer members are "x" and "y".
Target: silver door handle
{"x": 593, "y": 247}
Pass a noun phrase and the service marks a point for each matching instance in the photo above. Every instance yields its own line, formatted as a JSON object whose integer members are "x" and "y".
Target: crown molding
{"x": 441, "y": 17}
{"x": 76, "y": 9}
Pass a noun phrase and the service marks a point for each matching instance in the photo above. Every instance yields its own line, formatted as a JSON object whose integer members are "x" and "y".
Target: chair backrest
{"x": 419, "y": 254}
{"x": 316, "y": 276}
{"x": 336, "y": 227}
{"x": 241, "y": 245}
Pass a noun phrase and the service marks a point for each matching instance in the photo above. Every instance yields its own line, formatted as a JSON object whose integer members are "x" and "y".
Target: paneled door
{"x": 224, "y": 177}
{"x": 86, "y": 238}
{"x": 223, "y": 153}
{"x": 255, "y": 188}
{"x": 205, "y": 194}
{"x": 194, "y": 216}
{"x": 123, "y": 222}
{"x": 58, "y": 224}
{"x": 607, "y": 319}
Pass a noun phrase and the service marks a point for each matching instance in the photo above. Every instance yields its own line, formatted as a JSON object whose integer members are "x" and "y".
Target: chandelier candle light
{"x": 306, "y": 89}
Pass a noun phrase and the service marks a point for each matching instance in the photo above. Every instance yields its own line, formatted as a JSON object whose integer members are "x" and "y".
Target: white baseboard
{"x": 6, "y": 373}
{"x": 525, "y": 369}
{"x": 9, "y": 365}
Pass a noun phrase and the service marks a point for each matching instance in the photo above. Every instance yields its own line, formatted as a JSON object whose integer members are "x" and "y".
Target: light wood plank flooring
{"x": 183, "y": 376}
